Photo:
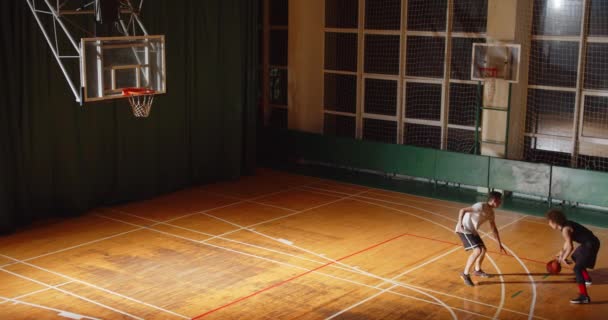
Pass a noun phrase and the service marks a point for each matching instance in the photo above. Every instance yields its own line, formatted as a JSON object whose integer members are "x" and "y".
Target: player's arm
{"x": 497, "y": 235}
{"x": 568, "y": 246}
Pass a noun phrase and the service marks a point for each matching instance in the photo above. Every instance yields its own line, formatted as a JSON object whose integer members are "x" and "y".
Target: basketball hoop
{"x": 140, "y": 100}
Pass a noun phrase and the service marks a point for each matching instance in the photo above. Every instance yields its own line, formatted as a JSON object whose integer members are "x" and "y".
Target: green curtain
{"x": 59, "y": 158}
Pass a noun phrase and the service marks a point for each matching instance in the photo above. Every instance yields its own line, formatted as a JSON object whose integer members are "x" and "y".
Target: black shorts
{"x": 585, "y": 255}
{"x": 471, "y": 241}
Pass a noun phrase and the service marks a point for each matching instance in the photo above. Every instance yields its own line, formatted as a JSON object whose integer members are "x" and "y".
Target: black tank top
{"x": 581, "y": 234}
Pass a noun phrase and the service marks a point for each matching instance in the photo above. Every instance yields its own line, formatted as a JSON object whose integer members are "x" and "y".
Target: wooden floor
{"x": 281, "y": 246}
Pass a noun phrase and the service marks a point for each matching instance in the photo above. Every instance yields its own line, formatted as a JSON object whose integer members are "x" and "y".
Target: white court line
{"x": 500, "y": 307}
{"x": 429, "y": 201}
{"x": 93, "y": 286}
{"x": 319, "y": 272}
{"x": 396, "y": 197}
{"x": 432, "y": 201}
{"x": 116, "y": 235}
{"x": 403, "y": 204}
{"x": 389, "y": 288}
{"x": 240, "y": 228}
{"x": 336, "y": 261}
{"x": 311, "y": 260}
{"x": 138, "y": 229}
{"x": 533, "y": 284}
{"x": 533, "y": 303}
{"x": 72, "y": 294}
{"x": 39, "y": 291}
{"x": 252, "y": 199}
{"x": 59, "y": 311}
{"x": 113, "y": 236}
{"x": 423, "y": 198}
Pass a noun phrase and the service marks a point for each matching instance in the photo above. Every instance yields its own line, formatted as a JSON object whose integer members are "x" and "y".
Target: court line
{"x": 325, "y": 274}
{"x": 404, "y": 205}
{"x": 166, "y": 221}
{"x": 389, "y": 288}
{"x": 332, "y": 260}
{"x": 428, "y": 201}
{"x": 533, "y": 284}
{"x": 333, "y": 266}
{"x": 110, "y": 237}
{"x": 141, "y": 228}
{"x": 240, "y": 228}
{"x": 520, "y": 217}
{"x": 73, "y": 294}
{"x": 59, "y": 311}
{"x": 431, "y": 201}
{"x": 228, "y": 205}
{"x": 39, "y": 291}
{"x": 488, "y": 256}
{"x": 298, "y": 267}
{"x": 93, "y": 286}
{"x": 17, "y": 261}
{"x": 296, "y": 277}
{"x": 369, "y": 274}
{"x": 423, "y": 200}
{"x": 500, "y": 307}
{"x": 235, "y": 203}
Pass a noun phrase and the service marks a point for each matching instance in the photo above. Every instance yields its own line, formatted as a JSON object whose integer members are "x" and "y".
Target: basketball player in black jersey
{"x": 585, "y": 254}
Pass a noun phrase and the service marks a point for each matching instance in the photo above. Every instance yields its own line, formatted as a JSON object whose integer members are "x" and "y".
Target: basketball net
{"x": 489, "y": 75}
{"x": 140, "y": 99}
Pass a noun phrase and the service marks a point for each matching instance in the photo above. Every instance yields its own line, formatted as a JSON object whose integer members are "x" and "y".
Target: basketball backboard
{"x": 111, "y": 64}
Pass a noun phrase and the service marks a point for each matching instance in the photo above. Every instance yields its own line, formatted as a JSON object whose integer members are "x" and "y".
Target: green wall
{"x": 536, "y": 179}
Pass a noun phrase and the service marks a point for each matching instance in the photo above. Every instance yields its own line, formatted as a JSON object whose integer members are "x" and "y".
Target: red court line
{"x": 293, "y": 278}
{"x": 278, "y": 284}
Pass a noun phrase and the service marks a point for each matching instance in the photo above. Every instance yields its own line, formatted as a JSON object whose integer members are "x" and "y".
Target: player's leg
{"x": 469, "y": 244}
{"x": 582, "y": 256}
{"x": 478, "y": 271}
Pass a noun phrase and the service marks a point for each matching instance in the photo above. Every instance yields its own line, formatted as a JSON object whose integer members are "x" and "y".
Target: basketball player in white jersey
{"x": 467, "y": 228}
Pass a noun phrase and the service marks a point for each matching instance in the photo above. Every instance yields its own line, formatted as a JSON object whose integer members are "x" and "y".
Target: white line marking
{"x": 38, "y": 291}
{"x": 322, "y": 273}
{"x": 90, "y": 285}
{"x": 117, "y": 235}
{"x": 341, "y": 263}
{"x": 70, "y": 315}
{"x": 285, "y": 241}
{"x": 72, "y": 294}
{"x": 59, "y": 312}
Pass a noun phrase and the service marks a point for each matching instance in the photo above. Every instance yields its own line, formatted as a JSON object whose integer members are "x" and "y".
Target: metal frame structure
{"x": 63, "y": 26}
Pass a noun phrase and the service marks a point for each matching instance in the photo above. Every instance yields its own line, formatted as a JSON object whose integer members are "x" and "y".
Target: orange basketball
{"x": 553, "y": 267}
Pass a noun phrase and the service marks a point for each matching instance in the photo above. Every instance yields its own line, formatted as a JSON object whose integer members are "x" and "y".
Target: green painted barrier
{"x": 543, "y": 180}
{"x": 406, "y": 160}
{"x": 462, "y": 168}
{"x": 523, "y": 177}
{"x": 578, "y": 185}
